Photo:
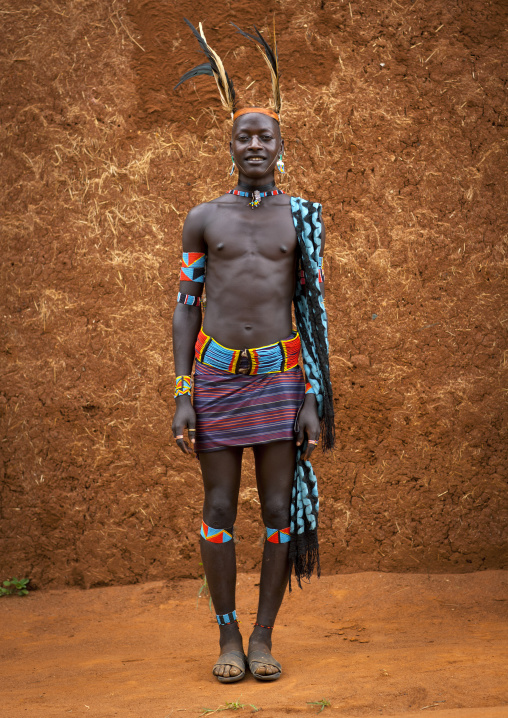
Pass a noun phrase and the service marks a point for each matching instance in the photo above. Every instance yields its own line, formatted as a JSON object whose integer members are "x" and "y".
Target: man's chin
{"x": 254, "y": 172}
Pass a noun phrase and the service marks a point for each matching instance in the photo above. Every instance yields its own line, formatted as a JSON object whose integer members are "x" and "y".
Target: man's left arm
{"x": 308, "y": 420}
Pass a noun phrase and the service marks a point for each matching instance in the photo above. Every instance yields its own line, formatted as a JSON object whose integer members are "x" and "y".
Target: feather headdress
{"x": 270, "y": 57}
{"x": 213, "y": 67}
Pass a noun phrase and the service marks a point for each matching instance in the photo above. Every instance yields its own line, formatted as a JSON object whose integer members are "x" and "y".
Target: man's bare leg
{"x": 275, "y": 467}
{"x": 221, "y": 478}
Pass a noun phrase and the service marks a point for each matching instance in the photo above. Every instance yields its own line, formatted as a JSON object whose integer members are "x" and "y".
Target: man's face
{"x": 256, "y": 144}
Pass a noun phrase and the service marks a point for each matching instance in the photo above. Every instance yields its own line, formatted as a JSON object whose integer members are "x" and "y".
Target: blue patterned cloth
{"x": 312, "y": 326}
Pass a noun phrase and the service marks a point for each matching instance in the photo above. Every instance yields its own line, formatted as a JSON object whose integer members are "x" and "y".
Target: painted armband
{"x": 193, "y": 267}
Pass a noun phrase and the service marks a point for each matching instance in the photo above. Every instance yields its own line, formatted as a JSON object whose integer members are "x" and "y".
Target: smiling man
{"x": 259, "y": 250}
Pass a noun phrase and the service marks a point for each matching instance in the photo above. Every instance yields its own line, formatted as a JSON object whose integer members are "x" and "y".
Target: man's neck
{"x": 251, "y": 187}
{"x": 263, "y": 183}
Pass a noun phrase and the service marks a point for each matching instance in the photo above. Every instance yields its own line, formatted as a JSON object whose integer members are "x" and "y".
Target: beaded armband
{"x": 309, "y": 389}
{"x": 189, "y": 299}
{"x": 193, "y": 267}
{"x": 182, "y": 385}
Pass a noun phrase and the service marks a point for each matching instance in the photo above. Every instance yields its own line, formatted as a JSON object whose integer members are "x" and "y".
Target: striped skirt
{"x": 243, "y": 410}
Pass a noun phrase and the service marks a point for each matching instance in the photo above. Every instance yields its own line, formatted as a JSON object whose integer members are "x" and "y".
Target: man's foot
{"x": 262, "y": 664}
{"x": 230, "y": 666}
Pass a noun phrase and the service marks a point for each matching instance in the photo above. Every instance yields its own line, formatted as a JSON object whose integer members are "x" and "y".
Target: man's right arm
{"x": 186, "y": 326}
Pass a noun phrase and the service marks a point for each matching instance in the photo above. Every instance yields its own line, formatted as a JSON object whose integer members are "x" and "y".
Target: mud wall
{"x": 393, "y": 118}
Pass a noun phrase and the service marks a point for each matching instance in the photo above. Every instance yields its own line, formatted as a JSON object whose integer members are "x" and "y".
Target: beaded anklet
{"x": 261, "y": 625}
{"x": 224, "y": 619}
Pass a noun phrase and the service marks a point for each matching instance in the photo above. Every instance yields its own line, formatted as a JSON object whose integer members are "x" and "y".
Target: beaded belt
{"x": 262, "y": 360}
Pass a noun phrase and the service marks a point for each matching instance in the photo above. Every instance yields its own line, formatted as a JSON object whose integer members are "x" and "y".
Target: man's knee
{"x": 219, "y": 513}
{"x": 276, "y": 513}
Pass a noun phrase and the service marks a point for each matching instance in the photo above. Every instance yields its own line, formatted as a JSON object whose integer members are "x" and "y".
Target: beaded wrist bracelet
{"x": 182, "y": 385}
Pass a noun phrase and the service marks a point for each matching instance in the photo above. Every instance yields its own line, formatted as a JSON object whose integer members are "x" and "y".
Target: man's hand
{"x": 185, "y": 418}
{"x": 308, "y": 426}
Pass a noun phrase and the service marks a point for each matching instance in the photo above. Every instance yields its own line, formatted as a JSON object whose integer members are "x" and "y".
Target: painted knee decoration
{"x": 215, "y": 535}
{"x": 278, "y": 535}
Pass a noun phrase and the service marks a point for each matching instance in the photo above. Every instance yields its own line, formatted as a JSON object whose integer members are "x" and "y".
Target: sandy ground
{"x": 371, "y": 644}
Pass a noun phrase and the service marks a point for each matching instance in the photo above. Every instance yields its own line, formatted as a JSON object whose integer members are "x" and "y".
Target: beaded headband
{"x": 215, "y": 68}
{"x": 258, "y": 110}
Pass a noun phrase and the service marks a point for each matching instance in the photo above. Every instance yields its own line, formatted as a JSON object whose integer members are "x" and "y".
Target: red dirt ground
{"x": 371, "y": 644}
{"x": 394, "y": 117}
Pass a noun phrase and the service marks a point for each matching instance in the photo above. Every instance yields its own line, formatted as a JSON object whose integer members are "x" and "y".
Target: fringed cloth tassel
{"x": 304, "y": 545}
{"x": 304, "y": 557}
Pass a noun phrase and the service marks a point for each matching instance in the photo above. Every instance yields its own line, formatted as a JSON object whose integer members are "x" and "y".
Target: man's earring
{"x": 280, "y": 165}
{"x": 233, "y": 165}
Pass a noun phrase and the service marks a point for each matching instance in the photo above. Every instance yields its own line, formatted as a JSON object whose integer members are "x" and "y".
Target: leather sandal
{"x": 232, "y": 658}
{"x": 257, "y": 658}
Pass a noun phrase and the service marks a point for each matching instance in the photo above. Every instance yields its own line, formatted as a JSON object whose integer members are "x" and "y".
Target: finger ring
{"x": 180, "y": 436}
{"x": 313, "y": 441}
{"x": 194, "y": 430}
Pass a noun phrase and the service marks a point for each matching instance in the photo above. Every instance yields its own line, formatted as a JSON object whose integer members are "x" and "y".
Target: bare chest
{"x": 236, "y": 230}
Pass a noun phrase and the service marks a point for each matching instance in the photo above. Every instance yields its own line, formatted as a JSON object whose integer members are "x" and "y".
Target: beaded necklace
{"x": 256, "y": 195}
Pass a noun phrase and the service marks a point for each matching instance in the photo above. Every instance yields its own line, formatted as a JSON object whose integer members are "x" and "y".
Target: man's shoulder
{"x": 200, "y": 214}
{"x": 205, "y": 208}
{"x": 200, "y": 209}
